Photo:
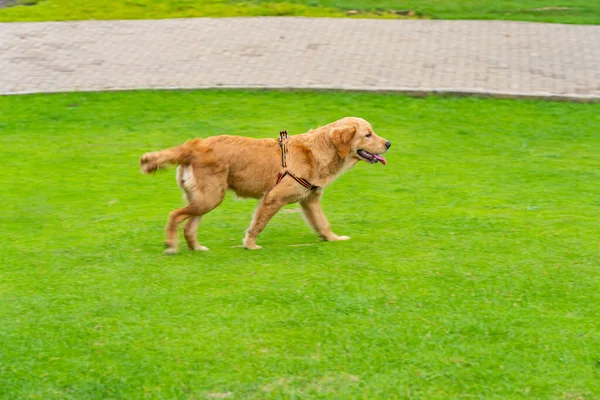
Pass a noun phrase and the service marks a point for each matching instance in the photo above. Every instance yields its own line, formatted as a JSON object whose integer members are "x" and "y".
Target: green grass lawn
{"x": 472, "y": 271}
{"x": 564, "y": 11}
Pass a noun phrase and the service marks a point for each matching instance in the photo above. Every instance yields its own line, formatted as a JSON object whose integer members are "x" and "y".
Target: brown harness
{"x": 283, "y": 136}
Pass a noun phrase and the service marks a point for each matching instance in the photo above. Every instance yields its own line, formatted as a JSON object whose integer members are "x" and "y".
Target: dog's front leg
{"x": 268, "y": 206}
{"x": 311, "y": 207}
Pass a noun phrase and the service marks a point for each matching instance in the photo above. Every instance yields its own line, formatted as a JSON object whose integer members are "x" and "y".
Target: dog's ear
{"x": 342, "y": 139}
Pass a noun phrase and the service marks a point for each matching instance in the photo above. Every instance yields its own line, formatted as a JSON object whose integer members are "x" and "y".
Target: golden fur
{"x": 250, "y": 167}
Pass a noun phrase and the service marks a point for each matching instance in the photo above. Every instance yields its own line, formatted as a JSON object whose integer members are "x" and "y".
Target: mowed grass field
{"x": 472, "y": 272}
{"x": 571, "y": 11}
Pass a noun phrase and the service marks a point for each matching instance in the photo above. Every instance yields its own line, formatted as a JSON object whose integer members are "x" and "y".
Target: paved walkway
{"x": 495, "y": 57}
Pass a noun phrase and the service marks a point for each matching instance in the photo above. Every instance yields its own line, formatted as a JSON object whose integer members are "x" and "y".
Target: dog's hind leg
{"x": 175, "y": 218}
{"x": 194, "y": 211}
{"x": 204, "y": 191}
{"x": 189, "y": 232}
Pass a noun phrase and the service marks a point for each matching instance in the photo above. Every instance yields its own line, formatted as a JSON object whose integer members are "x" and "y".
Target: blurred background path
{"x": 488, "y": 57}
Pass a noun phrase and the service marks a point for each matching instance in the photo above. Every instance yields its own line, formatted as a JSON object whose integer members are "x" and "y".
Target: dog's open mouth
{"x": 371, "y": 157}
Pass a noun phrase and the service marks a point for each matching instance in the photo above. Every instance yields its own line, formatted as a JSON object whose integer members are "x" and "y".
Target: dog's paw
{"x": 335, "y": 238}
{"x": 250, "y": 243}
{"x": 200, "y": 248}
{"x": 170, "y": 251}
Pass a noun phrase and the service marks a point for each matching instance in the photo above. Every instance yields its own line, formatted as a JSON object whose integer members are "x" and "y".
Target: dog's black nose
{"x": 387, "y": 145}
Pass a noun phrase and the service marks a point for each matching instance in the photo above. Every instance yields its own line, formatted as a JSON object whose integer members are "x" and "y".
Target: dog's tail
{"x": 150, "y": 162}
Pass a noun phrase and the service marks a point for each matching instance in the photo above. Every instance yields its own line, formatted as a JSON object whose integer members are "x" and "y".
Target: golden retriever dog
{"x": 257, "y": 168}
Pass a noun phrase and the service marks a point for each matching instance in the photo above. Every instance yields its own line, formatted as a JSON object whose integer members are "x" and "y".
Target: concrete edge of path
{"x": 419, "y": 92}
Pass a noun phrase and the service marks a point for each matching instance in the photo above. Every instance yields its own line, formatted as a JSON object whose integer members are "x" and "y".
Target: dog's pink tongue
{"x": 380, "y": 158}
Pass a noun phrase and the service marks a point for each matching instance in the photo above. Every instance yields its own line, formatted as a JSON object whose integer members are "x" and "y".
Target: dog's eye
{"x": 369, "y": 135}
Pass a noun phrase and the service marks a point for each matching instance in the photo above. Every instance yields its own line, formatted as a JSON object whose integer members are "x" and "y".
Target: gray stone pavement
{"x": 488, "y": 57}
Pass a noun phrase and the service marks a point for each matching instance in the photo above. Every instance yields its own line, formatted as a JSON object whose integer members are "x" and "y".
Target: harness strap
{"x": 283, "y": 135}
{"x": 301, "y": 181}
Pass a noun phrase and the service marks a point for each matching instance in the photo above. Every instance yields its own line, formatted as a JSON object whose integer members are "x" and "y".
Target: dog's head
{"x": 354, "y": 139}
